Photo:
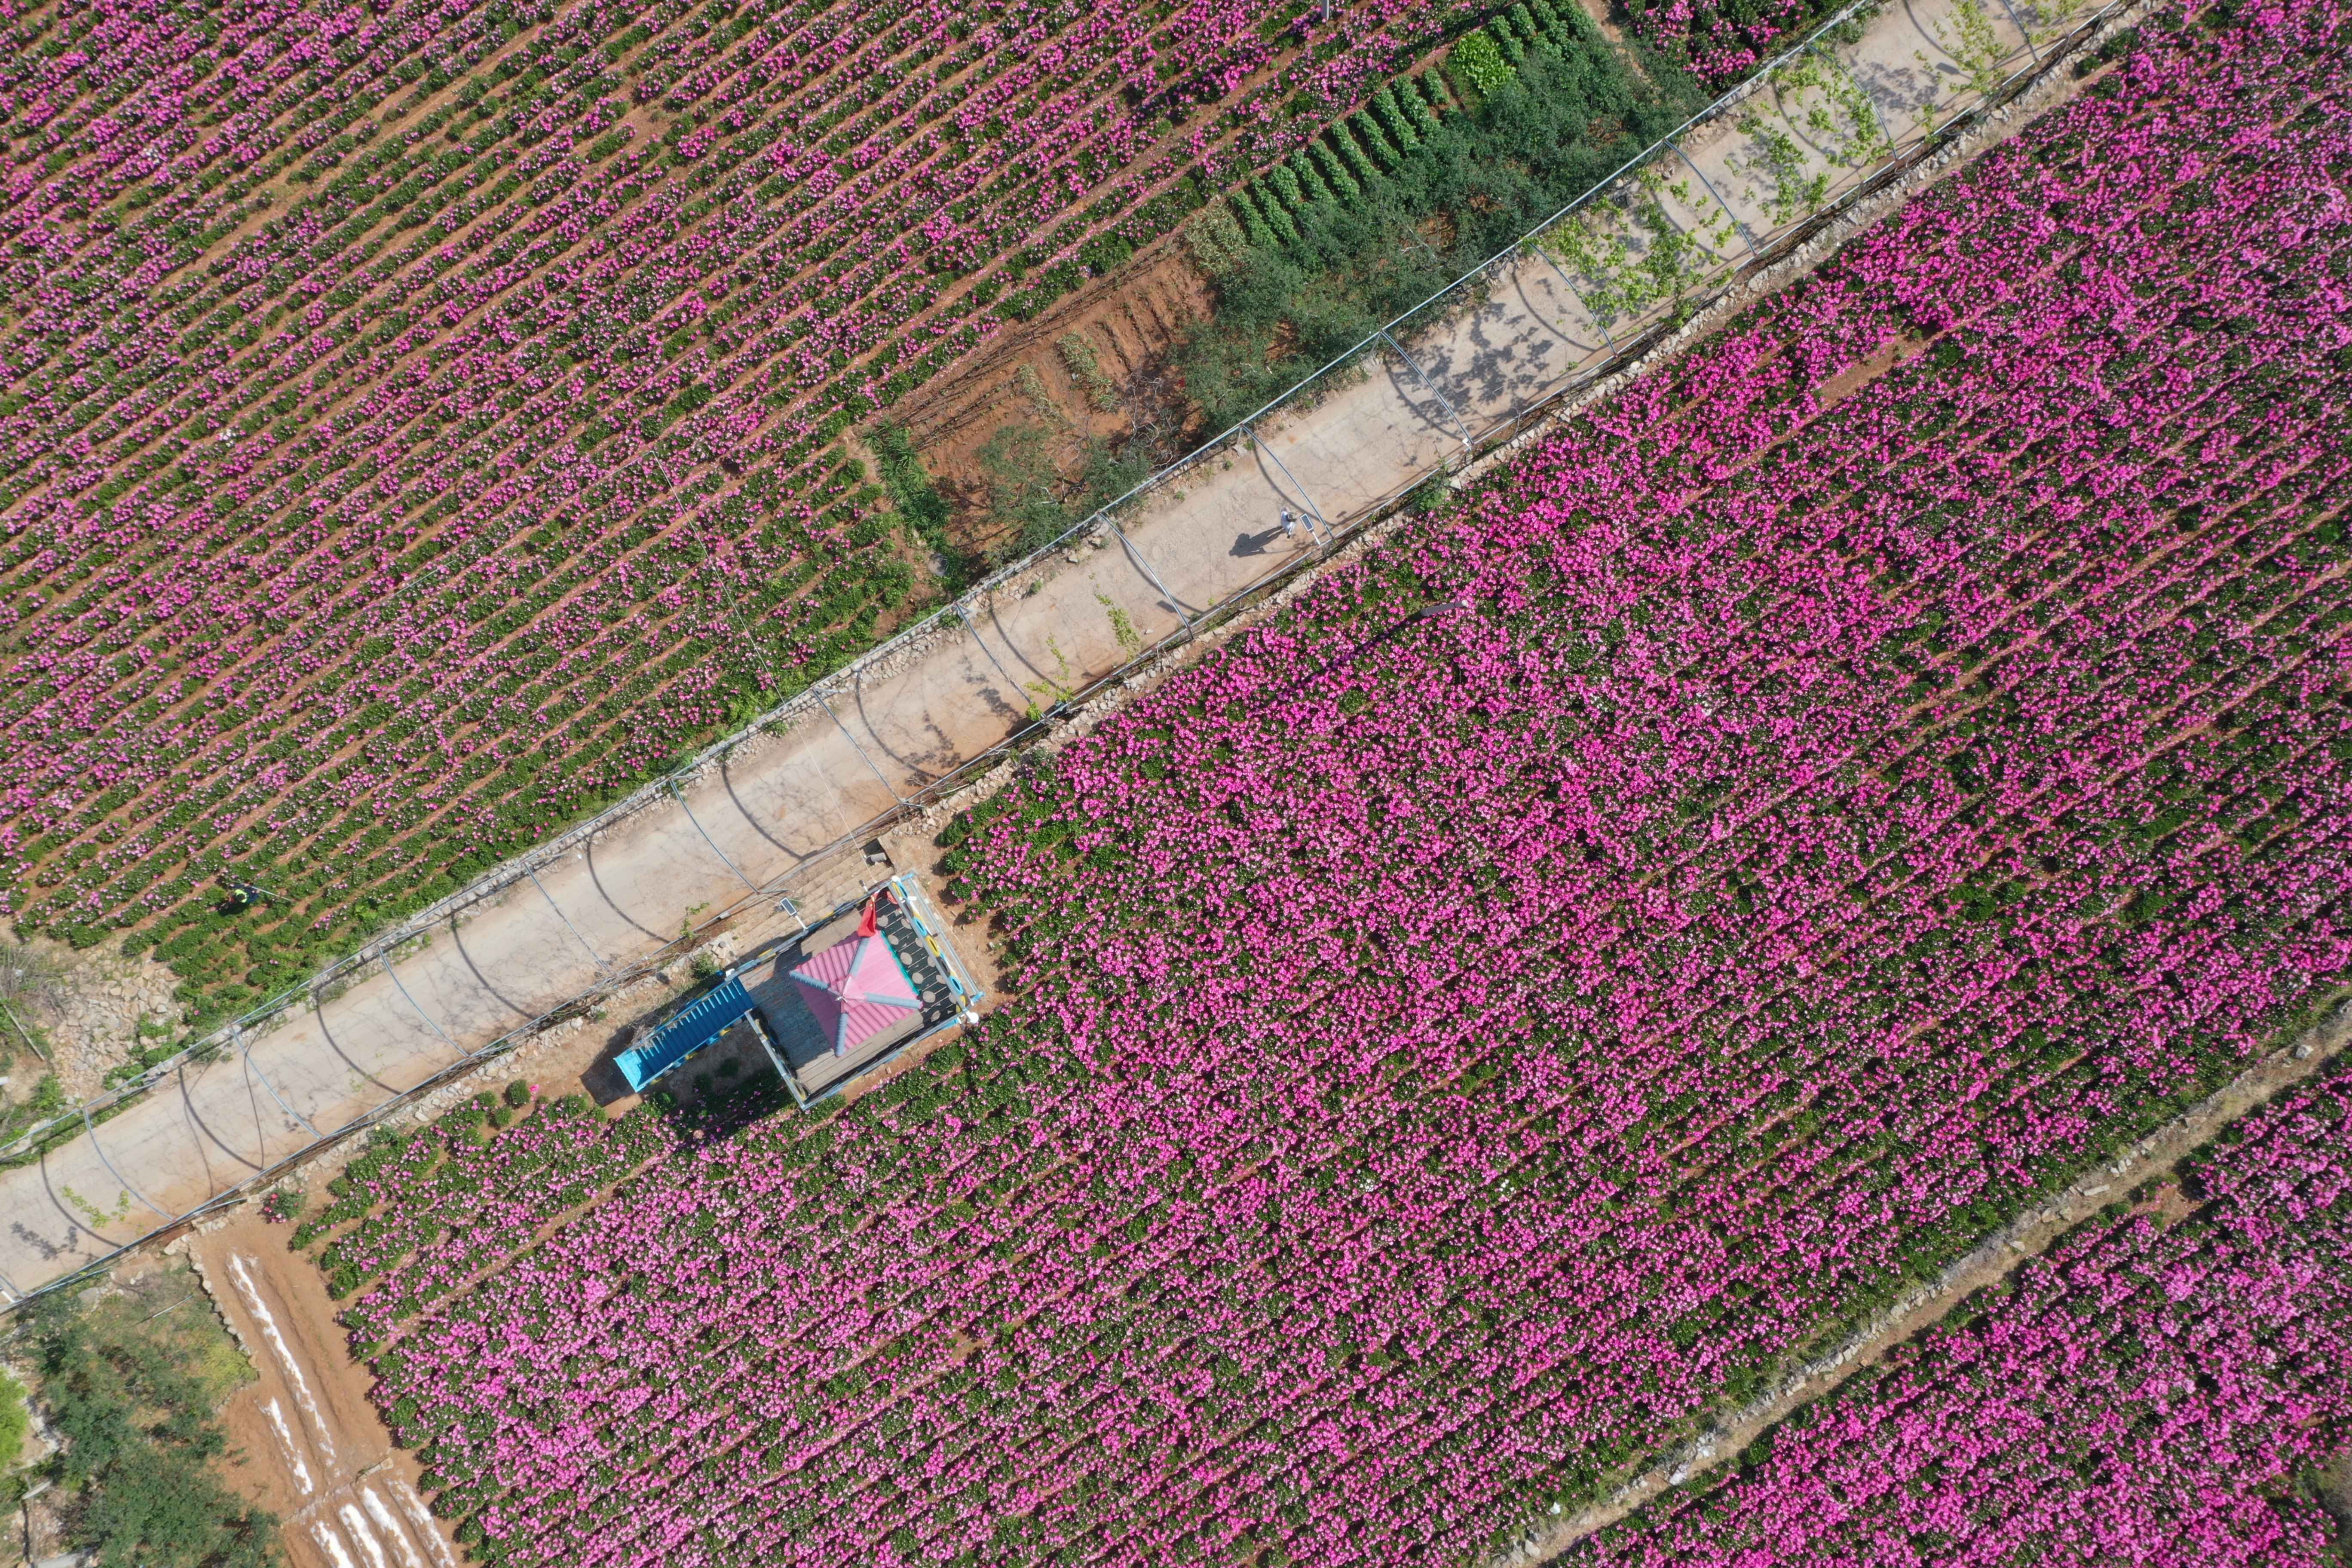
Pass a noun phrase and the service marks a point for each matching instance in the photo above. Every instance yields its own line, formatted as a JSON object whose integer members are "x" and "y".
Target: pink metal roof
{"x": 856, "y": 989}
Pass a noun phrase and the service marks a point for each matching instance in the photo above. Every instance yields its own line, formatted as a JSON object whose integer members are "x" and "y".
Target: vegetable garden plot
{"x": 421, "y": 422}
{"x": 2147, "y": 1393}
{"x": 1451, "y": 1052}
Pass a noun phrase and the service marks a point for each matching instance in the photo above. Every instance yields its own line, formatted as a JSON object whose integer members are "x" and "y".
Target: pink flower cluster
{"x": 2145, "y": 1394}
{"x": 436, "y": 1191}
{"x": 418, "y": 417}
{"x": 1720, "y": 41}
{"x": 1592, "y": 950}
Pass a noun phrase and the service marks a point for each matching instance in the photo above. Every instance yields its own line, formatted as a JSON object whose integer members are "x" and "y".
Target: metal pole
{"x": 1738, "y": 227}
{"x": 2022, "y": 31}
{"x": 28, "y": 1035}
{"x": 784, "y": 902}
{"x": 423, "y": 1013}
{"x": 1305, "y": 499}
{"x": 675, "y": 795}
{"x": 1137, "y": 557}
{"x": 1574, "y": 293}
{"x": 964, "y": 616}
{"x": 605, "y": 968}
{"x": 89, "y": 1130}
{"x": 246, "y": 1048}
{"x": 862, "y": 753}
{"x": 1431, "y": 388}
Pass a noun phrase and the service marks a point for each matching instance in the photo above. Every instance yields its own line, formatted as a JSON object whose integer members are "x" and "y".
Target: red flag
{"x": 866, "y": 923}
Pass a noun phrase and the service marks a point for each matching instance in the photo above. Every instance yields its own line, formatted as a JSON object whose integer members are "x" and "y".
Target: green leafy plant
{"x": 1477, "y": 63}
{"x": 16, "y": 1421}
{"x": 131, "y": 1386}
{"x": 1078, "y": 357}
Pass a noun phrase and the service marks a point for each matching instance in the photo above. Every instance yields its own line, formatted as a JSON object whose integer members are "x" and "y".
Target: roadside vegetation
{"x": 128, "y": 1385}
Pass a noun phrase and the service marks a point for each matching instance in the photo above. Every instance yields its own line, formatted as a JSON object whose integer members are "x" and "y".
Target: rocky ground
{"x": 88, "y": 1020}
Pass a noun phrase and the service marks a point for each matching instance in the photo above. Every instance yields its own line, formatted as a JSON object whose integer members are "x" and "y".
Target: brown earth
{"x": 1130, "y": 319}
{"x": 2333, "y": 1486}
{"x": 87, "y": 1012}
{"x": 1856, "y": 376}
{"x": 315, "y": 1451}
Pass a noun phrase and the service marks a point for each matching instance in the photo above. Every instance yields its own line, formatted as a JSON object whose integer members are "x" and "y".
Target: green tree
{"x": 16, "y": 1423}
{"x": 132, "y": 1402}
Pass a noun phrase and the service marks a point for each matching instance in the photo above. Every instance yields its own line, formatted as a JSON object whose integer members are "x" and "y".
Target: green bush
{"x": 1478, "y": 64}
{"x": 16, "y": 1421}
{"x": 1393, "y": 122}
{"x": 916, "y": 498}
{"x": 1351, "y": 152}
{"x": 131, "y": 1386}
{"x": 1420, "y": 99}
{"x": 1277, "y": 211}
{"x": 1253, "y": 225}
{"x": 1554, "y": 128}
{"x": 1335, "y": 174}
{"x": 1310, "y": 179}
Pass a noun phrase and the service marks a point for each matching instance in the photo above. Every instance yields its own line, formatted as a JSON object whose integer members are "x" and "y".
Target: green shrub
{"x": 1524, "y": 24}
{"x": 1478, "y": 64}
{"x": 1509, "y": 39}
{"x": 16, "y": 1421}
{"x": 1556, "y": 127}
{"x": 1253, "y": 225}
{"x": 131, "y": 1386}
{"x": 1277, "y": 214}
{"x": 915, "y": 497}
{"x": 1360, "y": 165}
{"x": 1392, "y": 120}
{"x": 1420, "y": 99}
{"x": 1309, "y": 178}
{"x": 1335, "y": 174}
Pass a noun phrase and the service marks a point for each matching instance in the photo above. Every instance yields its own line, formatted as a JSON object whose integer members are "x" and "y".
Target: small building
{"x": 839, "y": 1000}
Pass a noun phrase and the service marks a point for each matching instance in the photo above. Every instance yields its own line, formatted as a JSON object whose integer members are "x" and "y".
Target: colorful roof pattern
{"x": 856, "y": 989}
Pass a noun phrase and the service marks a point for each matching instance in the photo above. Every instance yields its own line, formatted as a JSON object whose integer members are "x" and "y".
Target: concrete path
{"x": 1202, "y": 534}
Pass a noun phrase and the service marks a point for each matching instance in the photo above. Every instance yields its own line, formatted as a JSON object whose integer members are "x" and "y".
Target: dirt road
{"x": 317, "y": 1455}
{"x": 776, "y": 805}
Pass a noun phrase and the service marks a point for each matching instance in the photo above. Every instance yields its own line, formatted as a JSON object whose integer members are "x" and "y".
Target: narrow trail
{"x": 316, "y": 1453}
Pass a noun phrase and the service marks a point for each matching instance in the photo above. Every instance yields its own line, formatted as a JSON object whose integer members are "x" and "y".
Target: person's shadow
{"x": 1254, "y": 544}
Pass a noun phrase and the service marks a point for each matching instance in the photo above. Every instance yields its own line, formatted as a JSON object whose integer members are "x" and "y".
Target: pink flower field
{"x": 1598, "y": 946}
{"x": 2145, "y": 1394}
{"x": 417, "y": 422}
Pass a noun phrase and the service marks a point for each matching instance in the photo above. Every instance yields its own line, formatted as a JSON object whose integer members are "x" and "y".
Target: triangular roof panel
{"x": 856, "y": 989}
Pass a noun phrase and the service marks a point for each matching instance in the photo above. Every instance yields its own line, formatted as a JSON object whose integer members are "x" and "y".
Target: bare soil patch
{"x": 2333, "y": 1486}
{"x": 314, "y": 1449}
{"x": 86, "y": 1013}
{"x": 1856, "y": 376}
{"x": 1126, "y": 326}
